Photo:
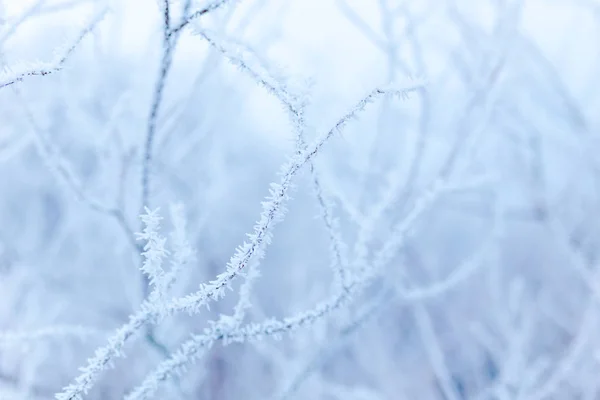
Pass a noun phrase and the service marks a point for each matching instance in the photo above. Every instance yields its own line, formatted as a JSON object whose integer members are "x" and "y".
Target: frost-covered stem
{"x": 337, "y": 245}
{"x": 170, "y": 40}
{"x": 166, "y": 19}
{"x": 165, "y": 65}
{"x": 213, "y": 5}
{"x": 272, "y": 211}
{"x": 571, "y": 357}
{"x": 385, "y": 298}
{"x": 564, "y": 366}
{"x": 53, "y": 66}
{"x": 485, "y": 93}
{"x": 389, "y": 47}
{"x": 460, "y": 274}
{"x": 425, "y": 106}
{"x": 452, "y": 163}
{"x": 373, "y": 217}
{"x": 223, "y": 324}
{"x": 56, "y": 8}
{"x": 153, "y": 254}
{"x": 398, "y": 234}
{"x": 193, "y": 348}
{"x": 398, "y": 189}
{"x": 104, "y": 355}
{"x": 169, "y": 45}
{"x": 269, "y": 82}
{"x": 360, "y": 24}
{"x": 182, "y": 250}
{"x": 330, "y": 348}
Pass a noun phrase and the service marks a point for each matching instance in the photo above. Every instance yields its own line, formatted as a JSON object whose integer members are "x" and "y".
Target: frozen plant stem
{"x": 170, "y": 39}
{"x": 295, "y": 107}
{"x": 169, "y": 45}
{"x": 43, "y": 69}
{"x": 193, "y": 348}
{"x": 213, "y": 5}
{"x": 167, "y": 58}
{"x": 273, "y": 211}
{"x": 326, "y": 352}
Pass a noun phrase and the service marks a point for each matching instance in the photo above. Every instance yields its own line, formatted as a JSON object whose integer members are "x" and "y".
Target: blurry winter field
{"x": 299, "y": 199}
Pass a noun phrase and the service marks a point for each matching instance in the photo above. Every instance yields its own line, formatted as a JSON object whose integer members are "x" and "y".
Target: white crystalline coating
{"x": 246, "y": 257}
{"x": 154, "y": 252}
{"x": 250, "y": 251}
{"x": 227, "y": 328}
{"x": 22, "y": 71}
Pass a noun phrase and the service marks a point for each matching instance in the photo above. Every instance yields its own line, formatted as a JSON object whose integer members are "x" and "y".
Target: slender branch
{"x": 43, "y": 69}
{"x": 198, "y": 344}
{"x": 170, "y": 40}
{"x": 295, "y": 106}
{"x": 273, "y": 212}
{"x": 332, "y": 347}
{"x": 213, "y": 5}
{"x": 386, "y": 297}
{"x": 165, "y": 66}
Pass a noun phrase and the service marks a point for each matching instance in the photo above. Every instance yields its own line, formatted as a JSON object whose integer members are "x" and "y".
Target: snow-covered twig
{"x": 182, "y": 253}
{"x": 169, "y": 45}
{"x": 331, "y": 347}
{"x": 154, "y": 252}
{"x": 225, "y": 327}
{"x": 386, "y": 297}
{"x": 47, "y": 68}
{"x": 211, "y": 6}
{"x": 261, "y": 75}
{"x": 295, "y": 106}
{"x": 194, "y": 347}
{"x": 273, "y": 211}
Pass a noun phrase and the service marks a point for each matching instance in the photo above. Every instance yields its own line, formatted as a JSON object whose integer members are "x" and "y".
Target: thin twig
{"x": 43, "y": 69}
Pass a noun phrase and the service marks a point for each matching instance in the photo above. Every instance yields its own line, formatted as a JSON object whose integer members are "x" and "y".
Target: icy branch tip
{"x": 405, "y": 87}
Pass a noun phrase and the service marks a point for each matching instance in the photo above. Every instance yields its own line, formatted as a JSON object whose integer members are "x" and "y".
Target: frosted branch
{"x": 295, "y": 106}
{"x": 273, "y": 211}
{"x": 154, "y": 252}
{"x": 18, "y": 74}
{"x": 211, "y": 6}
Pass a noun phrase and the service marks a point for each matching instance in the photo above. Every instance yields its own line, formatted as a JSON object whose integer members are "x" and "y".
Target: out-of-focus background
{"x": 494, "y": 291}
